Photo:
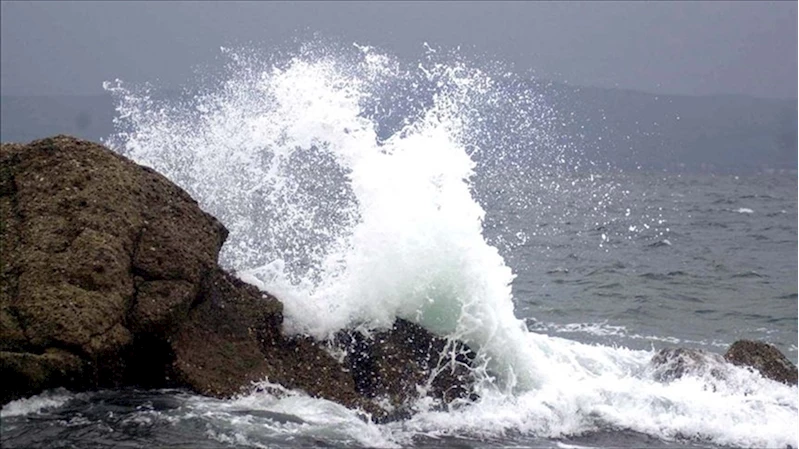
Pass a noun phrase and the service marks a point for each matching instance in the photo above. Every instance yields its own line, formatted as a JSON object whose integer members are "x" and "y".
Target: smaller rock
{"x": 764, "y": 358}
{"x": 673, "y": 363}
{"x": 406, "y": 360}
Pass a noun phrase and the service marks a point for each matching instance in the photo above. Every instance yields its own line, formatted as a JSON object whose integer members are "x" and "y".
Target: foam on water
{"x": 274, "y": 412}
{"x": 611, "y": 390}
{"x": 34, "y": 404}
{"x": 346, "y": 180}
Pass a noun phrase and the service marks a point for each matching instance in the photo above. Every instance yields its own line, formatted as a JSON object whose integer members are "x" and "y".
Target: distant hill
{"x": 627, "y": 129}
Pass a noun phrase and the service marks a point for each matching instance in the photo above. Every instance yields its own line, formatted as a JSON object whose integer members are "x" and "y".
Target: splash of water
{"x": 349, "y": 222}
{"x": 347, "y": 180}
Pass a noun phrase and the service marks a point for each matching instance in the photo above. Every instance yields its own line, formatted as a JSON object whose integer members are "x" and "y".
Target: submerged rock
{"x": 764, "y": 358}
{"x": 110, "y": 278}
{"x": 670, "y": 364}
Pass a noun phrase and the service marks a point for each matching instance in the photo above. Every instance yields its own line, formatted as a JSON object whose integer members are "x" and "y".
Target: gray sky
{"x": 668, "y": 47}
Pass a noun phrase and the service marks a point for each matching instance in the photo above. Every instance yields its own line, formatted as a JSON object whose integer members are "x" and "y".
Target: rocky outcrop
{"x": 673, "y": 363}
{"x": 110, "y": 278}
{"x": 763, "y": 358}
{"x": 98, "y": 253}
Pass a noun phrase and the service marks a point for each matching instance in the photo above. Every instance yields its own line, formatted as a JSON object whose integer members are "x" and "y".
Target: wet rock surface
{"x": 406, "y": 362}
{"x": 84, "y": 231}
{"x": 110, "y": 278}
{"x": 764, "y": 358}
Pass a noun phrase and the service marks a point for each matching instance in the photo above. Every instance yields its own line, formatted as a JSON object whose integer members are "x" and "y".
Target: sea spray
{"x": 347, "y": 180}
{"x": 347, "y": 227}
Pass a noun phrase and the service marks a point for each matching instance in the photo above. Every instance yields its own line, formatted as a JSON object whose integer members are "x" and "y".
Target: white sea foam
{"x": 352, "y": 221}
{"x": 603, "y": 329}
{"x": 35, "y": 404}
{"x": 288, "y": 413}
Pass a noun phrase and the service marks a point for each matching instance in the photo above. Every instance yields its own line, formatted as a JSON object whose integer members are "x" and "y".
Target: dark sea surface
{"x": 690, "y": 260}
{"x": 669, "y": 260}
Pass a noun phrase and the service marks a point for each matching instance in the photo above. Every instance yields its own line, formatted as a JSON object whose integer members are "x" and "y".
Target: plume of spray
{"x": 346, "y": 182}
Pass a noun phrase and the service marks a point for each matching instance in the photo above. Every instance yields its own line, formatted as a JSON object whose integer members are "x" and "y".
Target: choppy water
{"x": 359, "y": 188}
{"x": 690, "y": 260}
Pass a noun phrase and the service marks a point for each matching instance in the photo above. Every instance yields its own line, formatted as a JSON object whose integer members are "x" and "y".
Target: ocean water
{"x": 359, "y": 188}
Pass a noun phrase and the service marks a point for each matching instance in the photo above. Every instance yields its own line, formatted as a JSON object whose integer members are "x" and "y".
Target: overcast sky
{"x": 681, "y": 47}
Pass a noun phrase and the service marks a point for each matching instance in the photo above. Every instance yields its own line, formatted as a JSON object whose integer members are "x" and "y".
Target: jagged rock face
{"x": 764, "y": 358}
{"x": 97, "y": 253}
{"x": 110, "y": 278}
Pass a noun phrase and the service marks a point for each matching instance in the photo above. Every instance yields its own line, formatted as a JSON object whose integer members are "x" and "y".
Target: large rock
{"x": 764, "y": 358}
{"x": 98, "y": 253}
{"x": 110, "y": 278}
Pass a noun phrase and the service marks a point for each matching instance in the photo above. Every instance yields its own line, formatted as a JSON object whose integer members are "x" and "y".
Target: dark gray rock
{"x": 398, "y": 363}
